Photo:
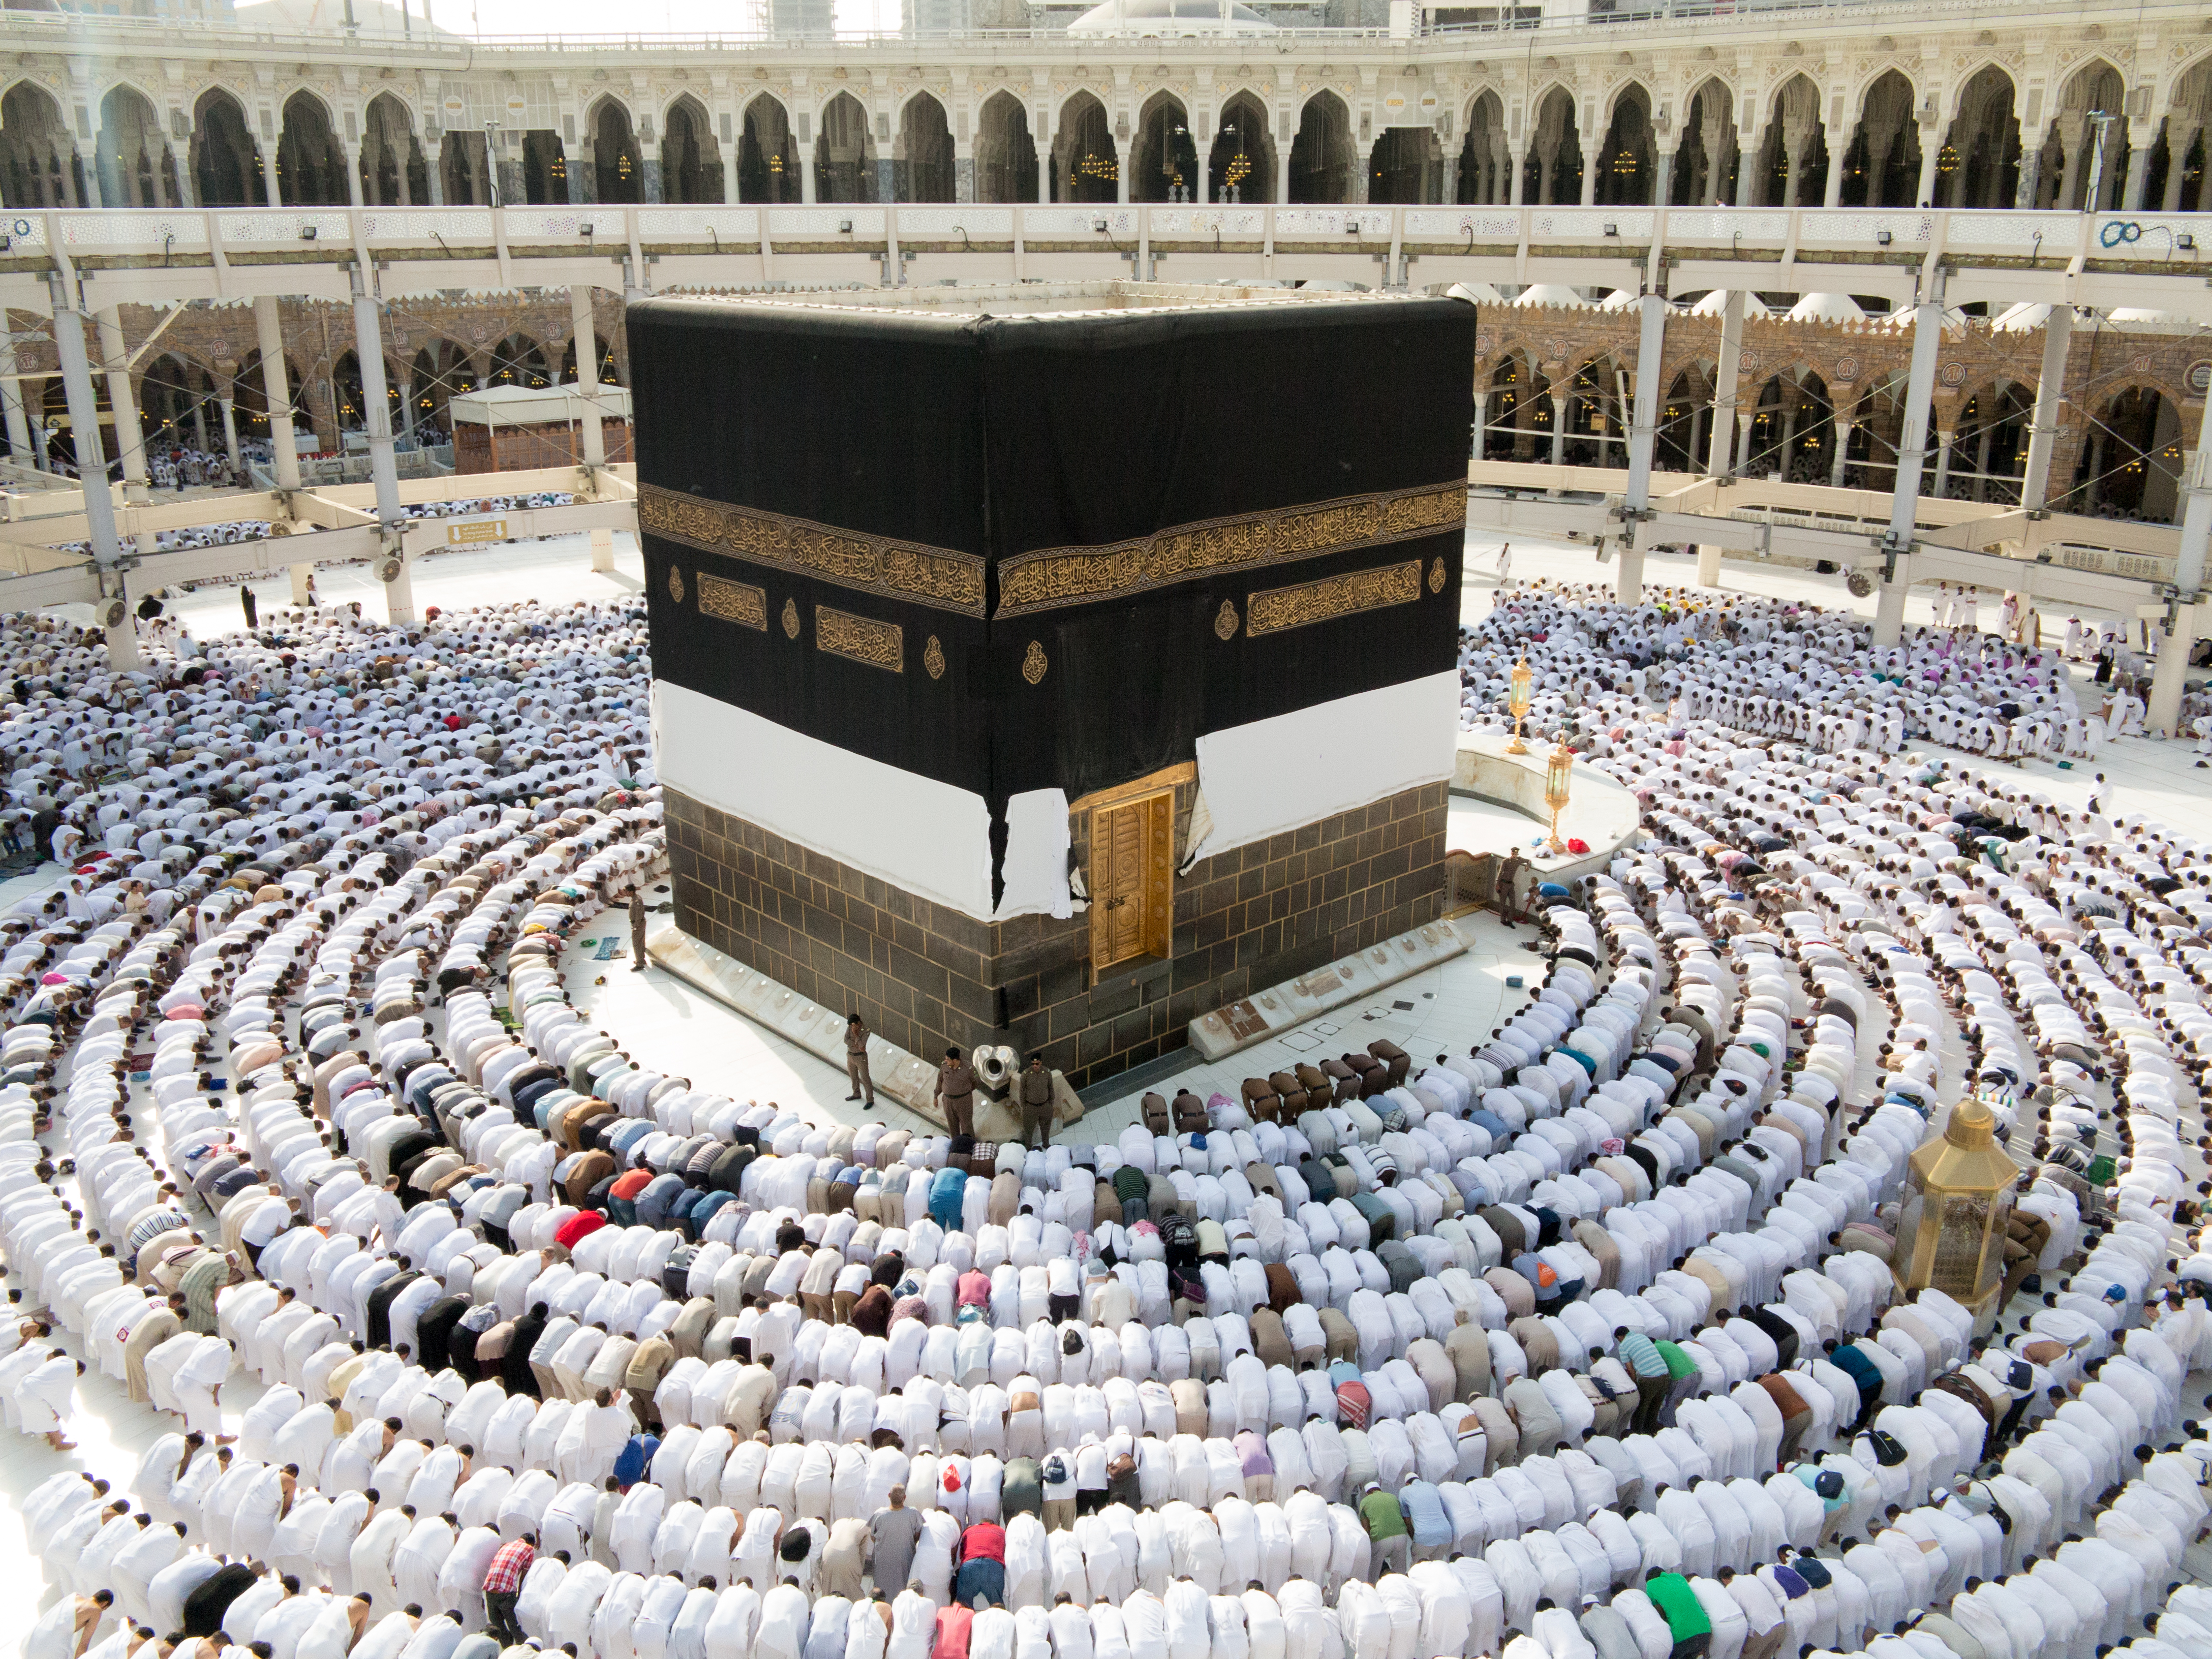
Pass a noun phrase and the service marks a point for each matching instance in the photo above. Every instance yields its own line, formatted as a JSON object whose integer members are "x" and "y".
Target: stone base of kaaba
{"x": 926, "y": 977}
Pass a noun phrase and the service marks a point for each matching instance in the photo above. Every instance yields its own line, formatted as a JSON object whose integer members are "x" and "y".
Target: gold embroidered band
{"x": 933, "y": 576}
{"x": 863, "y": 639}
{"x": 1274, "y": 609}
{"x": 733, "y": 602}
{"x": 1055, "y": 576}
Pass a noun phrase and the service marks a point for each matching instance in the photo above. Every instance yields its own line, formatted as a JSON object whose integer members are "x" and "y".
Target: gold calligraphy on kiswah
{"x": 1051, "y": 577}
{"x": 935, "y": 576}
{"x": 1275, "y": 608}
{"x": 733, "y": 602}
{"x": 862, "y": 639}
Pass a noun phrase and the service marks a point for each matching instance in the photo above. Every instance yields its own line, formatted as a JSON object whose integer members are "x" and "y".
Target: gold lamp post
{"x": 1518, "y": 702}
{"x": 1957, "y": 1199}
{"x": 1560, "y": 763}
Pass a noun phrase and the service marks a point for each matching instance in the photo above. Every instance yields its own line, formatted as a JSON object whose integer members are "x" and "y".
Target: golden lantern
{"x": 1518, "y": 702}
{"x": 1958, "y": 1200}
{"x": 1556, "y": 768}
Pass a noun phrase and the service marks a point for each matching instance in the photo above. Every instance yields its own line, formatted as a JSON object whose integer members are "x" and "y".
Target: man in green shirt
{"x": 1684, "y": 1614}
{"x": 1682, "y": 1375}
{"x": 1391, "y": 1546}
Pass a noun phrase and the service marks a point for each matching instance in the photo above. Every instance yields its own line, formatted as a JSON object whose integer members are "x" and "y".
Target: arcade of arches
{"x": 1823, "y": 402}
{"x": 1807, "y": 144}
{"x": 206, "y": 358}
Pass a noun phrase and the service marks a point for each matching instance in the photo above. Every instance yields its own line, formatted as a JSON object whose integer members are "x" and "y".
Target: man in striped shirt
{"x": 1645, "y": 1364}
{"x": 502, "y": 1583}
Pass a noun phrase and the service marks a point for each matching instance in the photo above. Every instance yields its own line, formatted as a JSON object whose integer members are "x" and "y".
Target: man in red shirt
{"x": 502, "y": 1584}
{"x": 983, "y": 1566}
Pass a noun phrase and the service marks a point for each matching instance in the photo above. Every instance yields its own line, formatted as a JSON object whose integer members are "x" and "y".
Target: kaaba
{"x": 1050, "y": 668}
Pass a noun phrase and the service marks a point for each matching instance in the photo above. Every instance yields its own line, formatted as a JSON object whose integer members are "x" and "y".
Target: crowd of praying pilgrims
{"x": 254, "y": 530}
{"x": 475, "y": 1334}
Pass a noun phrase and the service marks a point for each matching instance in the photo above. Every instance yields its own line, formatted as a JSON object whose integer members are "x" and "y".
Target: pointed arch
{"x": 2071, "y": 167}
{"x": 394, "y": 171}
{"x": 1706, "y": 159}
{"x": 1163, "y": 156}
{"x": 1242, "y": 157}
{"x": 311, "y": 169}
{"x": 1086, "y": 162}
{"x": 1793, "y": 156}
{"x": 690, "y": 156}
{"x": 1554, "y": 168}
{"x": 225, "y": 160}
{"x": 845, "y": 153}
{"x": 136, "y": 165}
{"x": 768, "y": 155}
{"x": 1006, "y": 153}
{"x": 1322, "y": 157}
{"x": 1881, "y": 163}
{"x": 617, "y": 166}
{"x": 1485, "y": 160}
{"x": 1627, "y": 157}
{"x": 922, "y": 156}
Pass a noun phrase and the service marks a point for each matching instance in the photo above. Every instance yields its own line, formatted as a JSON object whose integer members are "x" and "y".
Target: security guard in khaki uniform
{"x": 1036, "y": 1103}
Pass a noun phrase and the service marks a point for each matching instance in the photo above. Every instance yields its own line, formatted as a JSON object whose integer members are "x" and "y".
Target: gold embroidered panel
{"x": 1274, "y": 609}
{"x": 1054, "y": 576}
{"x": 863, "y": 639}
{"x": 935, "y": 576}
{"x": 733, "y": 602}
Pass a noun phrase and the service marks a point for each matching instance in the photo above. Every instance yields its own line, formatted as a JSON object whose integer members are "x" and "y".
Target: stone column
{"x": 587, "y": 373}
{"x": 1517, "y": 165}
{"x": 268, "y": 324}
{"x": 1363, "y": 165}
{"x": 230, "y": 436}
{"x": 1282, "y": 173}
{"x": 92, "y": 469}
{"x": 1930, "y": 152}
{"x": 1943, "y": 436}
{"x": 1832, "y": 196}
{"x": 269, "y": 172}
{"x": 1589, "y": 168}
{"x": 2177, "y": 143}
{"x": 353, "y": 178}
{"x": 2030, "y": 177}
{"x": 1844, "y": 430}
{"x": 1643, "y": 435}
{"x": 2050, "y": 401}
{"x": 2139, "y": 143}
{"x": 964, "y": 172}
{"x": 1481, "y": 425}
{"x": 2168, "y": 677}
{"x": 1912, "y": 455}
{"x": 384, "y": 468}
{"x": 129, "y": 431}
{"x": 2074, "y": 146}
{"x": 1725, "y": 379}
{"x": 1662, "y": 186}
{"x": 12, "y": 407}
{"x": 1709, "y": 565}
{"x": 806, "y": 181}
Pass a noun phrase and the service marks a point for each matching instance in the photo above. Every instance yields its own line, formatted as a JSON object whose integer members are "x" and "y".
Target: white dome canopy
{"x": 1170, "y": 18}
{"x": 1827, "y": 308}
{"x": 1549, "y": 294}
{"x": 1716, "y": 302}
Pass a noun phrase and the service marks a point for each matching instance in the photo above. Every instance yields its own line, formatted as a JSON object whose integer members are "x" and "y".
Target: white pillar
{"x": 2167, "y": 677}
{"x": 2050, "y": 401}
{"x": 1709, "y": 565}
{"x": 602, "y": 549}
{"x": 1643, "y": 433}
{"x": 1628, "y": 580}
{"x": 1929, "y": 151}
{"x": 383, "y": 466}
{"x": 301, "y": 573}
{"x": 1842, "y": 456}
{"x": 11, "y": 405}
{"x": 1720, "y": 450}
{"x": 587, "y": 373}
{"x": 1889, "y": 604}
{"x": 92, "y": 469}
{"x": 269, "y": 174}
{"x": 270, "y": 330}
{"x": 1943, "y": 462}
{"x": 230, "y": 437}
{"x": 130, "y": 433}
{"x": 1912, "y": 456}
